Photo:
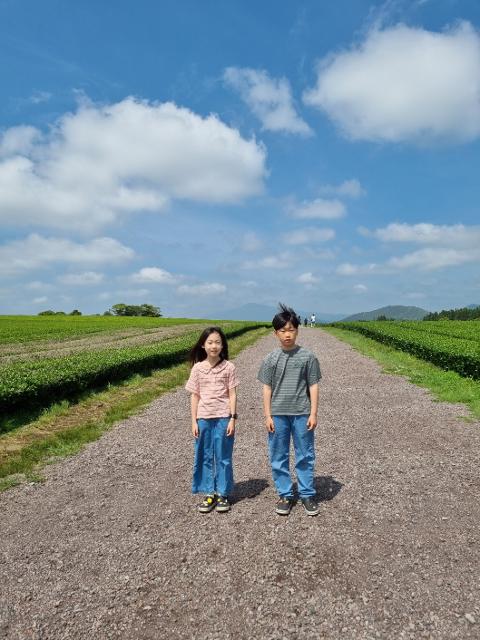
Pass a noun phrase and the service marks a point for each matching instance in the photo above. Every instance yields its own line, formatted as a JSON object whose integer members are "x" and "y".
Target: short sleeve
{"x": 313, "y": 371}
{"x": 233, "y": 380}
{"x": 192, "y": 382}
{"x": 266, "y": 372}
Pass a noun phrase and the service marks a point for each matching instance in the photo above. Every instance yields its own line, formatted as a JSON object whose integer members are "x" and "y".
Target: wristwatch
{"x": 233, "y": 415}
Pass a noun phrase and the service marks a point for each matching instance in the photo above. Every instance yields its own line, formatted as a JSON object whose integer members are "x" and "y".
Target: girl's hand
{"x": 311, "y": 422}
{"x": 269, "y": 424}
{"x": 231, "y": 427}
{"x": 195, "y": 429}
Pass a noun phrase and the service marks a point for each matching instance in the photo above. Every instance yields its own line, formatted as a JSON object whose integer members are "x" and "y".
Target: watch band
{"x": 233, "y": 415}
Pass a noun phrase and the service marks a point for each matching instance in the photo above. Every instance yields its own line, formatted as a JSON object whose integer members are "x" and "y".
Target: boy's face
{"x": 287, "y": 336}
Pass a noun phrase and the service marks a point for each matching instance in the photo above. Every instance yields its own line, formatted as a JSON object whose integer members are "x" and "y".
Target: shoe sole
{"x": 222, "y": 509}
{"x": 312, "y": 513}
{"x": 200, "y": 510}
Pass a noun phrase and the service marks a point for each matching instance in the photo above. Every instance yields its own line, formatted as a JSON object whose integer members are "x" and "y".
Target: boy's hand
{"x": 311, "y": 422}
{"x": 269, "y": 424}
{"x": 231, "y": 427}
{"x": 195, "y": 428}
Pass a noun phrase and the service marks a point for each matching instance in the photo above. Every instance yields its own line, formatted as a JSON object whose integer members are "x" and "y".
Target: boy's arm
{"x": 232, "y": 398}
{"x": 194, "y": 400}
{"x": 267, "y": 407}
{"x": 312, "y": 418}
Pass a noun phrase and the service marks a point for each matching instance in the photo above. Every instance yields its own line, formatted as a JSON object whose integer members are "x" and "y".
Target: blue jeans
{"x": 212, "y": 466}
{"x": 279, "y": 449}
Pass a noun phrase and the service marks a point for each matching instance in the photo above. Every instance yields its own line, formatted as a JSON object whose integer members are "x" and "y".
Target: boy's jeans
{"x": 212, "y": 466}
{"x": 279, "y": 449}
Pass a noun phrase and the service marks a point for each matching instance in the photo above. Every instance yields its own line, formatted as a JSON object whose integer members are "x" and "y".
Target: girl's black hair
{"x": 286, "y": 314}
{"x": 198, "y": 353}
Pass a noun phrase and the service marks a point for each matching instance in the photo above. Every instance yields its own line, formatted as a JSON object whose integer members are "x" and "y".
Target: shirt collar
{"x": 206, "y": 368}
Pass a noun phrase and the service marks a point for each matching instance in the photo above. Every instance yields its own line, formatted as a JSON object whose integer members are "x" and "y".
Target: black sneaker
{"x": 284, "y": 506}
{"x": 207, "y": 504}
{"x": 222, "y": 504}
{"x": 310, "y": 506}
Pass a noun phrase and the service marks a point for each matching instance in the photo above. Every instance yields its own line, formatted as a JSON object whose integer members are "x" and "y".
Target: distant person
{"x": 312, "y": 320}
{"x": 290, "y": 377}
{"x": 212, "y": 383}
{"x": 305, "y": 321}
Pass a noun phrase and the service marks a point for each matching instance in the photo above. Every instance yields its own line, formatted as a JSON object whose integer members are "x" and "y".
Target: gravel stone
{"x": 111, "y": 546}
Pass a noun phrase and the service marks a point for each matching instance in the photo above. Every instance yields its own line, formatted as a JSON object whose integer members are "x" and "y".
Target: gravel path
{"x": 110, "y": 546}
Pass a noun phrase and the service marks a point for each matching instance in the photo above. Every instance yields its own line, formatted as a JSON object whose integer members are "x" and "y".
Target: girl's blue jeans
{"x": 212, "y": 465}
{"x": 294, "y": 427}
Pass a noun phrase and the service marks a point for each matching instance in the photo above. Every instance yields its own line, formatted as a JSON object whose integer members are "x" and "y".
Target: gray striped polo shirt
{"x": 290, "y": 374}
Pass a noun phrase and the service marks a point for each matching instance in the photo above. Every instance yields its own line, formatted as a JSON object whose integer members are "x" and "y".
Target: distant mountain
{"x": 397, "y": 312}
{"x": 263, "y": 312}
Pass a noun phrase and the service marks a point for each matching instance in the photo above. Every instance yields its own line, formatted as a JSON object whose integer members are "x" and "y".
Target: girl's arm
{"x": 267, "y": 407}
{"x": 194, "y": 400}
{"x": 312, "y": 418}
{"x": 232, "y": 398}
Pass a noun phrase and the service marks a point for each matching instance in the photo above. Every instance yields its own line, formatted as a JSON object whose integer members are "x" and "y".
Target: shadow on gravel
{"x": 249, "y": 489}
{"x": 326, "y": 487}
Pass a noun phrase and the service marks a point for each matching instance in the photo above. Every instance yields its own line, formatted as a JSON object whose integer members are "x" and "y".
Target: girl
{"x": 212, "y": 383}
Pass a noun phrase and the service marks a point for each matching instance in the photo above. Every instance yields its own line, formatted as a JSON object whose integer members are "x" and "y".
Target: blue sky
{"x": 202, "y": 155}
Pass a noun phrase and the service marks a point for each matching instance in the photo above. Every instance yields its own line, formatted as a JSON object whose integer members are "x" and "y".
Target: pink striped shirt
{"x": 212, "y": 385}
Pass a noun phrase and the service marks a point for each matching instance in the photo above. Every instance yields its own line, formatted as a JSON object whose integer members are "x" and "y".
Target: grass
{"x": 446, "y": 386}
{"x": 65, "y": 428}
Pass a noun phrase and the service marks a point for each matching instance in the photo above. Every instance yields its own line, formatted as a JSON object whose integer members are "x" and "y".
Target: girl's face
{"x": 213, "y": 345}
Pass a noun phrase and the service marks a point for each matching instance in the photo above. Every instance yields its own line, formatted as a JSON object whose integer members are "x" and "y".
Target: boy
{"x": 290, "y": 378}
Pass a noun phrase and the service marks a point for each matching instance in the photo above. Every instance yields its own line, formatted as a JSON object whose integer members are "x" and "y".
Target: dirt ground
{"x": 111, "y": 545}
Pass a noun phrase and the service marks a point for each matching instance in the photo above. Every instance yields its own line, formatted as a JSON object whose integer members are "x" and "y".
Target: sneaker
{"x": 222, "y": 504}
{"x": 207, "y": 504}
{"x": 284, "y": 506}
{"x": 310, "y": 506}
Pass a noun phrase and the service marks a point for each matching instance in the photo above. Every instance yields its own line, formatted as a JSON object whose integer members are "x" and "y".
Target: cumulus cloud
{"x": 269, "y": 99}
{"x": 104, "y": 161}
{"x": 347, "y": 189}
{"x": 205, "y": 289}
{"x": 251, "y": 242}
{"x": 360, "y": 288}
{"x": 154, "y": 275}
{"x": 404, "y": 83}
{"x": 457, "y": 235}
{"x": 35, "y": 252}
{"x": 445, "y": 245}
{"x": 348, "y": 269}
{"x": 318, "y": 209}
{"x": 81, "y": 279}
{"x": 308, "y": 236}
{"x": 268, "y": 262}
{"x": 308, "y": 278}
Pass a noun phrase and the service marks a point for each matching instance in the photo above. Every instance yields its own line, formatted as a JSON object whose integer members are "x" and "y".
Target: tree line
{"x": 120, "y": 309}
{"x": 455, "y": 314}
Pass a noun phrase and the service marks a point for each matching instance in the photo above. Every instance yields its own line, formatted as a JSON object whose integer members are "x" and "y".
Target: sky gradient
{"x": 199, "y": 156}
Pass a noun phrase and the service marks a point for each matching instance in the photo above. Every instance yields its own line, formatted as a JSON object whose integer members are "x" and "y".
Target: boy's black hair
{"x": 286, "y": 314}
{"x": 198, "y": 353}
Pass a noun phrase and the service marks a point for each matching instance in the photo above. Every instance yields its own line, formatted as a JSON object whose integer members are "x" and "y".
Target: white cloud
{"x": 348, "y": 269}
{"x": 40, "y": 300}
{"x": 308, "y": 236}
{"x": 308, "y": 278}
{"x": 269, "y": 99}
{"x": 435, "y": 258}
{"x": 154, "y": 275}
{"x": 347, "y": 189}
{"x": 81, "y": 279}
{"x": 457, "y": 235}
{"x": 35, "y": 252}
{"x": 404, "y": 83}
{"x": 37, "y": 285}
{"x": 105, "y": 161}
{"x": 318, "y": 209}
{"x": 206, "y": 289}
{"x": 268, "y": 262}
{"x": 360, "y": 288}
{"x": 251, "y": 242}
